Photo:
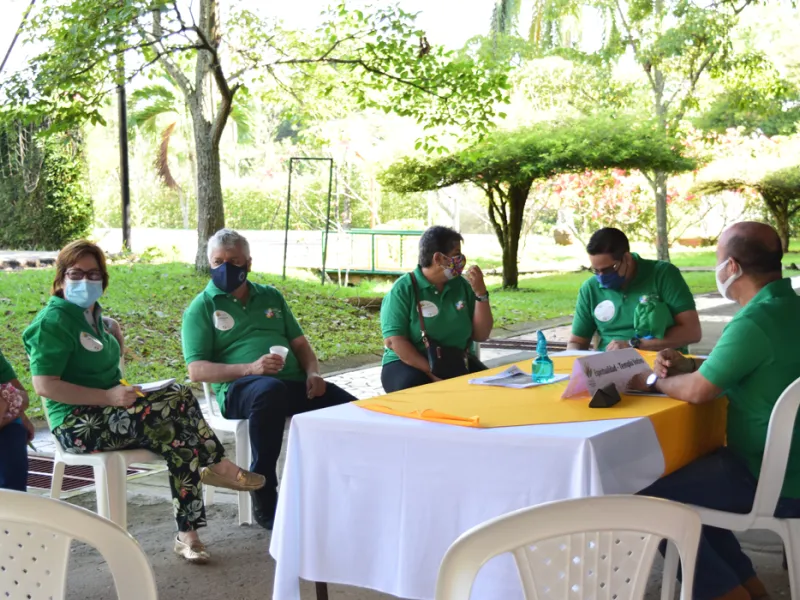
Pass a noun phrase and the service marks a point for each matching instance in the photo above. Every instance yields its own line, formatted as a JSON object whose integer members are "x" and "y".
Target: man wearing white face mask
{"x": 753, "y": 362}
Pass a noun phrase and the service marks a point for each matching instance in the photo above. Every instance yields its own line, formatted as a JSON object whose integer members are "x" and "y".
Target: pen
{"x": 32, "y": 447}
{"x": 138, "y": 393}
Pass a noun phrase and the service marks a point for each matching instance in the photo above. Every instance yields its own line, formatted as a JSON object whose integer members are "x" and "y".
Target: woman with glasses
{"x": 455, "y": 312}
{"x": 75, "y": 362}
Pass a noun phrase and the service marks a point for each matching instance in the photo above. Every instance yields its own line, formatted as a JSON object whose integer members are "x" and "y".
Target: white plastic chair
{"x": 601, "y": 548}
{"x": 35, "y": 538}
{"x": 110, "y": 477}
{"x": 243, "y": 454}
{"x": 770, "y": 482}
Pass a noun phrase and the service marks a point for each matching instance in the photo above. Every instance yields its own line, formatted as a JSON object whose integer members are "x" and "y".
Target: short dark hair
{"x": 608, "y": 240}
{"x": 437, "y": 239}
{"x": 756, "y": 256}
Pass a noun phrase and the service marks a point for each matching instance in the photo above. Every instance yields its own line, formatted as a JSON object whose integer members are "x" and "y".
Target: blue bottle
{"x": 542, "y": 369}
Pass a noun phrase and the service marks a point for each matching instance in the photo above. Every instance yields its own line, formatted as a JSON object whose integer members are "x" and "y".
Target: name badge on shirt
{"x": 223, "y": 321}
{"x": 92, "y": 344}
{"x": 429, "y": 309}
{"x": 605, "y": 311}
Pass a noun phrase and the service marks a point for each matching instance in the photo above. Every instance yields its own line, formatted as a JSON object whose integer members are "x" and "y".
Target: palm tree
{"x": 150, "y": 105}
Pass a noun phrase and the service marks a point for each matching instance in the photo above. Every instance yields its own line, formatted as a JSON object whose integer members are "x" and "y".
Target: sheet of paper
{"x": 591, "y": 373}
{"x": 155, "y": 386}
{"x": 515, "y": 378}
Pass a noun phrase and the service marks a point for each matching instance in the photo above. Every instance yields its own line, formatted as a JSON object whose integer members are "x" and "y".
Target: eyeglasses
{"x": 607, "y": 270}
{"x": 79, "y": 274}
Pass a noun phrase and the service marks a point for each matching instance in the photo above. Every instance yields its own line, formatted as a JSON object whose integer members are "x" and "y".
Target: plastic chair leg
{"x": 101, "y": 490}
{"x": 791, "y": 544}
{"x": 243, "y": 460}
{"x": 670, "y": 575}
{"x": 208, "y": 495}
{"x": 110, "y": 482}
{"x": 58, "y": 479}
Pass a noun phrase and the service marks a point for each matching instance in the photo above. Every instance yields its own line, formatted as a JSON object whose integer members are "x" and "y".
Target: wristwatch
{"x": 635, "y": 342}
{"x": 651, "y": 381}
{"x": 482, "y": 297}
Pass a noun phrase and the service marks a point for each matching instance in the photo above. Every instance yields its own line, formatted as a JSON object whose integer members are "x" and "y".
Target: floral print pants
{"x": 168, "y": 423}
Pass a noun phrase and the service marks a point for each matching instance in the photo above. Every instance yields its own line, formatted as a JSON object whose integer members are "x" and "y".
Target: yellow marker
{"x": 138, "y": 393}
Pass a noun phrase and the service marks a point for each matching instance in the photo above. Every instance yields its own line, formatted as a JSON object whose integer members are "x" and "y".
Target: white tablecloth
{"x": 374, "y": 501}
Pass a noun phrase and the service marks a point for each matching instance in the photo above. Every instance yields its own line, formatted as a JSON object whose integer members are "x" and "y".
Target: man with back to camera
{"x": 229, "y": 331}
{"x": 755, "y": 360}
{"x": 632, "y": 302}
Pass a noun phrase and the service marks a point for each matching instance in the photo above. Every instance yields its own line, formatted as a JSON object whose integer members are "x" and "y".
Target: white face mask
{"x": 724, "y": 286}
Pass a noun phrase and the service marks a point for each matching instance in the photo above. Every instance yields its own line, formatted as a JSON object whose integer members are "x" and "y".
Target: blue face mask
{"x": 610, "y": 281}
{"x": 83, "y": 293}
{"x": 228, "y": 276}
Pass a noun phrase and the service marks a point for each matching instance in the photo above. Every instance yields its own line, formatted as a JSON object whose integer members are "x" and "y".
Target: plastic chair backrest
{"x": 600, "y": 548}
{"x": 213, "y": 407}
{"x": 35, "y": 538}
{"x": 776, "y": 451}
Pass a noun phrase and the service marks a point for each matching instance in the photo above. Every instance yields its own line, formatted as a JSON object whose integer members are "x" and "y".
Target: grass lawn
{"x": 148, "y": 301}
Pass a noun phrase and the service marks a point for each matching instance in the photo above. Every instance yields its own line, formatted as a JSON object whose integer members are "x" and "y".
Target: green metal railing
{"x": 374, "y": 233}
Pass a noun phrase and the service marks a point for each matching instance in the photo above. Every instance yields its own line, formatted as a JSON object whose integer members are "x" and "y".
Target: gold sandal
{"x": 246, "y": 481}
{"x": 194, "y": 552}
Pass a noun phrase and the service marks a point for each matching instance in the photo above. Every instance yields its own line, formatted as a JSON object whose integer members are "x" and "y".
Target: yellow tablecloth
{"x": 684, "y": 431}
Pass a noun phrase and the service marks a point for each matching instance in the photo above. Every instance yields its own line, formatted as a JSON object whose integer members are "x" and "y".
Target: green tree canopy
{"x": 379, "y": 57}
{"x": 779, "y": 189}
{"x": 506, "y": 163}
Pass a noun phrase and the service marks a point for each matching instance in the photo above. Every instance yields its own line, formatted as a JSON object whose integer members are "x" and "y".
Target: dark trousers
{"x": 719, "y": 481}
{"x": 14, "y": 457}
{"x": 397, "y": 375}
{"x": 266, "y": 402}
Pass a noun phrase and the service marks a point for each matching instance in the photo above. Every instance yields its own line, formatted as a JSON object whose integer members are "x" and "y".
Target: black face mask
{"x": 228, "y": 276}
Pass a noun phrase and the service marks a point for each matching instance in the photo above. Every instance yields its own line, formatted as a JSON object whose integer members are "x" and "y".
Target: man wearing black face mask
{"x": 632, "y": 302}
{"x": 243, "y": 339}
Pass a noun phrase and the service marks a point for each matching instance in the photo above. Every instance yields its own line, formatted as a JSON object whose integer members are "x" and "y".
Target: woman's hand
{"x": 122, "y": 396}
{"x": 475, "y": 277}
{"x": 3, "y": 412}
{"x": 26, "y": 422}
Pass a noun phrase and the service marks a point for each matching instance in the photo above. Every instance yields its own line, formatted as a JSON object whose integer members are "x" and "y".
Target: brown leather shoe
{"x": 246, "y": 481}
{"x": 194, "y": 553}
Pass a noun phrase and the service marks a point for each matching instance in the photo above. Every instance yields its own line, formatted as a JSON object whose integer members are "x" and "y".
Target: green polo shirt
{"x": 220, "y": 329}
{"x": 448, "y": 315}
{"x": 61, "y": 343}
{"x": 754, "y": 361}
{"x": 6, "y": 370}
{"x": 610, "y": 312}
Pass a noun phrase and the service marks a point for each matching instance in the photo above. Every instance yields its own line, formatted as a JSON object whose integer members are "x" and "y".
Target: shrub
{"x": 58, "y": 209}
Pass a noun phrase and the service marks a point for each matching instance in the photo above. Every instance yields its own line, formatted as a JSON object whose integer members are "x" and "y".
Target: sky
{"x": 447, "y": 22}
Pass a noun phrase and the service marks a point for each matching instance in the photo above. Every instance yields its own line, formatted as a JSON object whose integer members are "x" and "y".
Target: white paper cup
{"x": 281, "y": 351}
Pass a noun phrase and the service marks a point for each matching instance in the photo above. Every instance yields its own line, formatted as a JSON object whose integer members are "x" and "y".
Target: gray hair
{"x": 227, "y": 238}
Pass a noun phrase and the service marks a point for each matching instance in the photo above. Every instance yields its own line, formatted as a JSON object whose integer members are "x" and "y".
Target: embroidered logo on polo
{"x": 605, "y": 311}
{"x": 429, "y": 309}
{"x": 273, "y": 313}
{"x": 223, "y": 321}
{"x": 460, "y": 305}
{"x": 89, "y": 342}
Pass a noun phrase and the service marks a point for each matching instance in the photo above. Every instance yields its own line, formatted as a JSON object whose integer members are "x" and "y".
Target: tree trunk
{"x": 784, "y": 232}
{"x": 662, "y": 223}
{"x": 210, "y": 212}
{"x": 517, "y": 197}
